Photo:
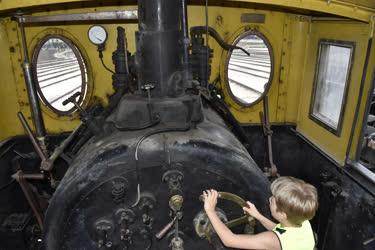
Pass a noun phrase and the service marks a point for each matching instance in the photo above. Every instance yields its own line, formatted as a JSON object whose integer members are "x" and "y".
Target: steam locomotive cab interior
{"x": 116, "y": 115}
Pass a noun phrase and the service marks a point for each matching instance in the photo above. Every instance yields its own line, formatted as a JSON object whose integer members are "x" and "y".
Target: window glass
{"x": 249, "y": 75}
{"x": 331, "y": 83}
{"x": 60, "y": 73}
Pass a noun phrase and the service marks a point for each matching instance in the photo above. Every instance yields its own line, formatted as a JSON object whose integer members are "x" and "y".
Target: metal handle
{"x": 165, "y": 229}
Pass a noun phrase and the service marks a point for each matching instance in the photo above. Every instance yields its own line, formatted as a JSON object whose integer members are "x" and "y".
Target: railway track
{"x": 248, "y": 75}
{"x": 58, "y": 79}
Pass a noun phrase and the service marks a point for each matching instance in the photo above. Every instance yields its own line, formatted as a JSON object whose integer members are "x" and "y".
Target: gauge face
{"x": 97, "y": 35}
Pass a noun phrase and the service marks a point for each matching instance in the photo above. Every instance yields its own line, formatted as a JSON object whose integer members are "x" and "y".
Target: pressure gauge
{"x": 97, "y": 35}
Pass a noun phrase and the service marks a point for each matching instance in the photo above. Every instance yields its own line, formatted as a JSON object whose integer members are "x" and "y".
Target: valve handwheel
{"x": 234, "y": 222}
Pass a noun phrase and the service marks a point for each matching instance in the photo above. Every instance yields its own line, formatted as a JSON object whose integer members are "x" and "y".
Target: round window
{"x": 59, "y": 72}
{"x": 249, "y": 76}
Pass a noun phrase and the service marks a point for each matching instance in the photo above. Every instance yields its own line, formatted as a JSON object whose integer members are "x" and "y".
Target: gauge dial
{"x": 97, "y": 35}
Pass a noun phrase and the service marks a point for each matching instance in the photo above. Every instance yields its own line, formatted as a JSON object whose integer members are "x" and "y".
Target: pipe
{"x": 363, "y": 170}
{"x": 33, "y": 140}
{"x": 36, "y": 113}
{"x": 21, "y": 179}
{"x": 165, "y": 229}
{"x": 268, "y": 133}
{"x": 91, "y": 16}
{"x": 159, "y": 56}
{"x": 194, "y": 31}
{"x": 186, "y": 41}
{"x": 48, "y": 166}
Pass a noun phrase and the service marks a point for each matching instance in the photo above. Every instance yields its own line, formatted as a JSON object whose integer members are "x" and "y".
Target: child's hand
{"x": 251, "y": 210}
{"x": 210, "y": 200}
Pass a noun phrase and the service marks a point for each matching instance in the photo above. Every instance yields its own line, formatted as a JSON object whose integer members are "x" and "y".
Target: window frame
{"x": 82, "y": 66}
{"x": 347, "y": 44}
{"x": 226, "y": 68}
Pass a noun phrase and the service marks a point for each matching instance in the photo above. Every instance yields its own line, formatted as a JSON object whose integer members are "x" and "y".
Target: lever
{"x": 165, "y": 229}
{"x": 85, "y": 116}
{"x": 368, "y": 241}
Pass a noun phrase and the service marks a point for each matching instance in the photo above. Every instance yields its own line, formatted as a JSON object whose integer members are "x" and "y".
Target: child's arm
{"x": 253, "y": 211}
{"x": 266, "y": 240}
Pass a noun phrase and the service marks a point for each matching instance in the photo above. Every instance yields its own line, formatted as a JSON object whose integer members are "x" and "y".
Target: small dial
{"x": 97, "y": 34}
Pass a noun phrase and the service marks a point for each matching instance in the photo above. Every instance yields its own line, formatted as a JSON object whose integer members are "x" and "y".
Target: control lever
{"x": 47, "y": 163}
{"x": 165, "y": 229}
{"x": 368, "y": 241}
{"x": 72, "y": 99}
{"x": 85, "y": 117}
{"x": 272, "y": 170}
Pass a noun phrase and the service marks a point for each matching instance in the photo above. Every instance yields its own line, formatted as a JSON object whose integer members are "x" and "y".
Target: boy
{"x": 293, "y": 203}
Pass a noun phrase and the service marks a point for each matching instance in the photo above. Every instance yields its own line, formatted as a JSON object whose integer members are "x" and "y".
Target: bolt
{"x": 108, "y": 244}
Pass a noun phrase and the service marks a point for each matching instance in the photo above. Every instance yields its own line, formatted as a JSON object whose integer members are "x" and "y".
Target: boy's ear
{"x": 283, "y": 215}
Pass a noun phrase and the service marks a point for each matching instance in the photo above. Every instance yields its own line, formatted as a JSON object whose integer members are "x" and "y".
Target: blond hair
{"x": 296, "y": 198}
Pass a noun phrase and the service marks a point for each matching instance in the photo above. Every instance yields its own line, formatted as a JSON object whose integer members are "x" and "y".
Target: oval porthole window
{"x": 249, "y": 75}
{"x": 60, "y": 72}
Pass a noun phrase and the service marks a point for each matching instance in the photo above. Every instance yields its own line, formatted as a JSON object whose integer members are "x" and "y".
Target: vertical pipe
{"x": 159, "y": 53}
{"x": 34, "y": 141}
{"x": 186, "y": 41}
{"x": 36, "y": 113}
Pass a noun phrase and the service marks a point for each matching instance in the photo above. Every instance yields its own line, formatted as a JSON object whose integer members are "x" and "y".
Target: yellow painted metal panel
{"x": 9, "y": 124}
{"x": 296, "y": 47}
{"x": 272, "y": 29}
{"x": 357, "y": 12}
{"x": 334, "y": 146}
{"x": 364, "y": 3}
{"x": 226, "y": 21}
{"x": 12, "y": 4}
{"x": 287, "y": 36}
{"x": 288, "y": 42}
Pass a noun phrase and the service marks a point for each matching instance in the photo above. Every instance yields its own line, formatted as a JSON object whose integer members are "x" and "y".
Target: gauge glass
{"x": 97, "y": 35}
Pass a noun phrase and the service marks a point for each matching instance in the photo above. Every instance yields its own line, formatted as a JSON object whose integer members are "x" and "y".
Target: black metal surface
{"x": 208, "y": 155}
{"x": 200, "y": 59}
{"x": 186, "y": 41}
{"x": 120, "y": 60}
{"x": 159, "y": 51}
{"x": 15, "y": 232}
{"x": 159, "y": 146}
{"x": 350, "y": 218}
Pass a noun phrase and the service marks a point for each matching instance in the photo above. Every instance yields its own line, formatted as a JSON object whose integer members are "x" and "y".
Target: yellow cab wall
{"x": 335, "y": 145}
{"x": 293, "y": 37}
{"x": 278, "y": 28}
